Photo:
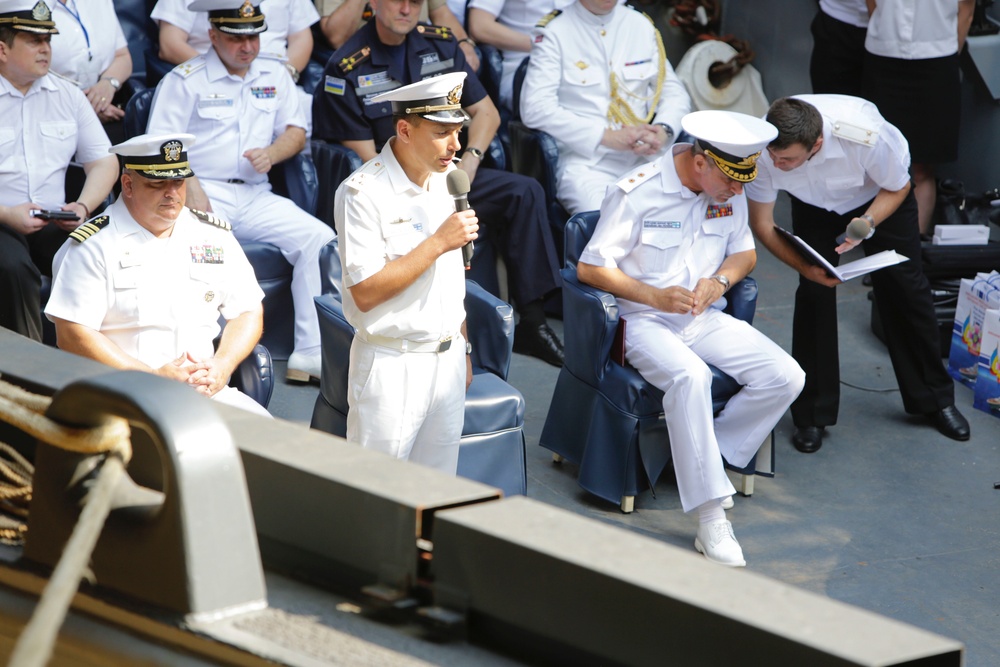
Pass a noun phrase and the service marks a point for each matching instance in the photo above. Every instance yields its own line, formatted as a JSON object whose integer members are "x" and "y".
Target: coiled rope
{"x": 25, "y": 411}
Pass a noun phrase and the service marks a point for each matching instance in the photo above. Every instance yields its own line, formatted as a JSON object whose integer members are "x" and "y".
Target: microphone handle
{"x": 841, "y": 238}
{"x": 462, "y": 204}
{"x": 467, "y": 255}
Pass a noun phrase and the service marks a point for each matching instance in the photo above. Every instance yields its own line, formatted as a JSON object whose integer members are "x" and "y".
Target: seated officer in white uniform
{"x": 672, "y": 237}
{"x": 599, "y": 82}
{"x": 400, "y": 241}
{"x": 246, "y": 116}
{"x": 142, "y": 286}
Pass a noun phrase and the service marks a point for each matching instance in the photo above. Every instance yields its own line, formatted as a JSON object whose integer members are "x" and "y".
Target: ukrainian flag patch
{"x": 334, "y": 86}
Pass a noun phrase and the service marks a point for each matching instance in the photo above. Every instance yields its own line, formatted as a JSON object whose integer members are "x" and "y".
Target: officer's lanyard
{"x": 76, "y": 14}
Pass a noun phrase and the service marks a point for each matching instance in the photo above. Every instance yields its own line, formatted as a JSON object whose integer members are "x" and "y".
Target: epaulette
{"x": 639, "y": 175}
{"x": 866, "y": 136}
{"x": 89, "y": 228}
{"x": 649, "y": 18}
{"x": 544, "y": 21}
{"x": 210, "y": 219}
{"x": 364, "y": 175}
{"x": 189, "y": 67}
{"x": 350, "y": 62}
{"x": 435, "y": 31}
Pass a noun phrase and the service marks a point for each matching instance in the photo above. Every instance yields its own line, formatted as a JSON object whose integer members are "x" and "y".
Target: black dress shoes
{"x": 950, "y": 422}
{"x": 539, "y": 341}
{"x": 808, "y": 439}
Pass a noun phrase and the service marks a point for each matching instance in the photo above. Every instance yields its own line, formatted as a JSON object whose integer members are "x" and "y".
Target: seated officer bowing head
{"x": 672, "y": 237}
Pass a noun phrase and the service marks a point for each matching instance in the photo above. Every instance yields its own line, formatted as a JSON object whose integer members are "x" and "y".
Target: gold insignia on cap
{"x": 246, "y": 9}
{"x": 455, "y": 95}
{"x": 40, "y": 12}
{"x": 171, "y": 151}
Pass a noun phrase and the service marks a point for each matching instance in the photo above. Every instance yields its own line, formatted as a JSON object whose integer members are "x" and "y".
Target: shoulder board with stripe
{"x": 638, "y": 176}
{"x": 435, "y": 31}
{"x": 365, "y": 174}
{"x": 210, "y": 219}
{"x": 352, "y": 61}
{"x": 544, "y": 21}
{"x": 89, "y": 228}
{"x": 188, "y": 68}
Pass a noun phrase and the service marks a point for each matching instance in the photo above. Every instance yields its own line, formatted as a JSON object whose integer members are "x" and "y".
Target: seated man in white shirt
{"x": 142, "y": 287}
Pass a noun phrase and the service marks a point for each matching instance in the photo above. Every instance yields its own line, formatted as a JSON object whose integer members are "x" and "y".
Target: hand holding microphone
{"x": 857, "y": 230}
{"x": 458, "y": 188}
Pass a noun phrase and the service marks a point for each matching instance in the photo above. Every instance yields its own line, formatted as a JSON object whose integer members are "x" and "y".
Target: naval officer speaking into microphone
{"x": 400, "y": 246}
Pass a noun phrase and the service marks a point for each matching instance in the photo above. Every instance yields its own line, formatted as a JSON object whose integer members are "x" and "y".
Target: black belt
{"x": 238, "y": 181}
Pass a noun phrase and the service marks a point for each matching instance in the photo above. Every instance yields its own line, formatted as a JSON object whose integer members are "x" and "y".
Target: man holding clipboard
{"x": 846, "y": 169}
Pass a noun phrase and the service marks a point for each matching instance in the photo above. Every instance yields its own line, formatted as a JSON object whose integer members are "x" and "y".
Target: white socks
{"x": 711, "y": 511}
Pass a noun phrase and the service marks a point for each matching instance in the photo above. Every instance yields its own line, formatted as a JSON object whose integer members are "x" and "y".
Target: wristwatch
{"x": 722, "y": 280}
{"x": 476, "y": 153}
{"x": 468, "y": 348}
{"x": 669, "y": 130}
{"x": 115, "y": 83}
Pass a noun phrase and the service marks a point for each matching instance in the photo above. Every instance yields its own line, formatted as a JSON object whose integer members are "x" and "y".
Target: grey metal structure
{"x": 514, "y": 573}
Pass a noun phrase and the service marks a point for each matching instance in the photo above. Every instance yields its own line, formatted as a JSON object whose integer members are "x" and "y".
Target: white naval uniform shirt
{"x": 845, "y": 173}
{"x": 72, "y": 56}
{"x": 227, "y": 114}
{"x": 659, "y": 232}
{"x": 382, "y": 215}
{"x": 40, "y": 133}
{"x": 154, "y": 298}
{"x": 913, "y": 29}
{"x": 520, "y": 16}
{"x": 567, "y": 89}
{"x": 283, "y": 18}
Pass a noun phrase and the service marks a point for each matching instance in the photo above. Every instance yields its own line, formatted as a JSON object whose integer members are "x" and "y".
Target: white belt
{"x": 405, "y": 345}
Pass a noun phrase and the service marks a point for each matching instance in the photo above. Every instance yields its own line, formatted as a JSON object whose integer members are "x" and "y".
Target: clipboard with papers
{"x": 844, "y": 272}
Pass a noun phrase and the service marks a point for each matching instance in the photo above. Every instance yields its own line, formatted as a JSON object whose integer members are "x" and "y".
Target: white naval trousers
{"x": 257, "y": 214}
{"x": 236, "y": 398}
{"x": 677, "y": 363}
{"x": 410, "y": 405}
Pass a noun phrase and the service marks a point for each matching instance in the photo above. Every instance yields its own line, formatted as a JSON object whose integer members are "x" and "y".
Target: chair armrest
{"x": 490, "y": 323}
{"x": 254, "y": 376}
{"x": 590, "y": 319}
{"x": 336, "y": 335}
{"x": 331, "y": 272}
{"x": 742, "y": 300}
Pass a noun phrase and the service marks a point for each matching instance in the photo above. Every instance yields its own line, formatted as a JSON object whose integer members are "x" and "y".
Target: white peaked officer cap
{"x": 438, "y": 99}
{"x": 157, "y": 156}
{"x": 236, "y": 17}
{"x": 733, "y": 140}
{"x": 28, "y": 15}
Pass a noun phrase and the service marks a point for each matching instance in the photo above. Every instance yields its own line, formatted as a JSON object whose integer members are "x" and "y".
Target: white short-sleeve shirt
{"x": 845, "y": 173}
{"x": 382, "y": 215}
{"x": 913, "y": 29}
{"x": 663, "y": 234}
{"x": 41, "y": 133}
{"x": 89, "y": 34}
{"x": 228, "y": 114}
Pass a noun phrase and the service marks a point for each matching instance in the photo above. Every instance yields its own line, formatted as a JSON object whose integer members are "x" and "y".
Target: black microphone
{"x": 458, "y": 187}
{"x": 857, "y": 230}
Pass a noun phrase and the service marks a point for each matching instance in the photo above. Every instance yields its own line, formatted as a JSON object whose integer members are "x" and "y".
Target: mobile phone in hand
{"x": 53, "y": 214}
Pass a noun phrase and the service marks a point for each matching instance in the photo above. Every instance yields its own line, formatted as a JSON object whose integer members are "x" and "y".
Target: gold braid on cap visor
{"x": 732, "y": 169}
{"x": 429, "y": 108}
{"x": 153, "y": 167}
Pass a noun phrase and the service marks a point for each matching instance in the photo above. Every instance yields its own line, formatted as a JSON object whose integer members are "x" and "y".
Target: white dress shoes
{"x": 717, "y": 542}
{"x": 304, "y": 367}
{"x": 727, "y": 503}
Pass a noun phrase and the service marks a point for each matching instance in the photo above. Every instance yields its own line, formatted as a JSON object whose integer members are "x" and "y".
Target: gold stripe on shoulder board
{"x": 88, "y": 229}
{"x": 544, "y": 21}
{"x": 352, "y": 61}
{"x": 435, "y": 31}
{"x": 210, "y": 219}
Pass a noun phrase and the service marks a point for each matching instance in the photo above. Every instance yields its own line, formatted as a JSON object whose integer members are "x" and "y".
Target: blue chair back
{"x": 137, "y": 112}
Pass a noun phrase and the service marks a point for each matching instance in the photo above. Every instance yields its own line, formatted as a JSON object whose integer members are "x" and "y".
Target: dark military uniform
{"x": 510, "y": 207}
